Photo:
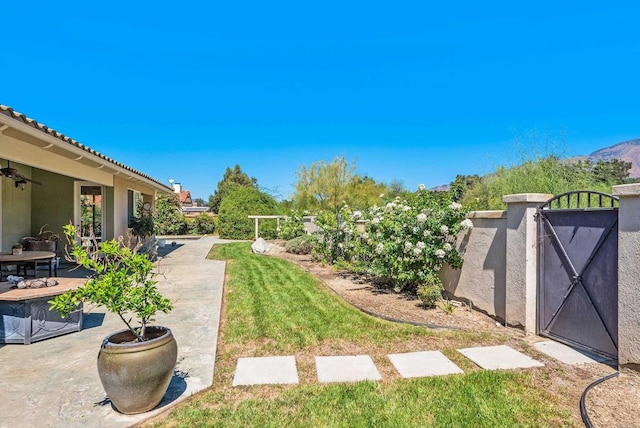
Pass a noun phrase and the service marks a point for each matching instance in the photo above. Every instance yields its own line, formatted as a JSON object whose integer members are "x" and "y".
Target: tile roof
{"x": 8, "y": 111}
{"x": 184, "y": 196}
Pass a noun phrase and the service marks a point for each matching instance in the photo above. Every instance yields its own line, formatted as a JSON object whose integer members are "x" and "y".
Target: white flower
{"x": 422, "y": 217}
{"x": 356, "y": 215}
{"x": 390, "y": 206}
{"x": 421, "y": 245}
{"x": 426, "y": 233}
{"x": 421, "y": 187}
{"x": 417, "y": 251}
{"x": 444, "y": 229}
{"x": 378, "y": 234}
{"x": 455, "y": 206}
{"x": 406, "y": 208}
{"x": 398, "y": 240}
{"x": 375, "y": 220}
{"x": 408, "y": 245}
{"x": 466, "y": 224}
{"x": 415, "y": 229}
{"x": 365, "y": 235}
{"x": 447, "y": 246}
{"x": 340, "y": 245}
{"x": 439, "y": 254}
{"x": 381, "y": 195}
{"x": 379, "y": 248}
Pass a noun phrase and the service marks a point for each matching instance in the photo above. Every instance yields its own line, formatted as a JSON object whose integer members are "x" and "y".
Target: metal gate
{"x": 578, "y": 289}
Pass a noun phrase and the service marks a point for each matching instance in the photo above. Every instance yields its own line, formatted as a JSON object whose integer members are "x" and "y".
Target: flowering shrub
{"x": 334, "y": 239}
{"x": 292, "y": 226}
{"x": 405, "y": 242}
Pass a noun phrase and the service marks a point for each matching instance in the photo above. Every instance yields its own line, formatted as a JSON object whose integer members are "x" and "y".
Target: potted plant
{"x": 45, "y": 240}
{"x": 136, "y": 364}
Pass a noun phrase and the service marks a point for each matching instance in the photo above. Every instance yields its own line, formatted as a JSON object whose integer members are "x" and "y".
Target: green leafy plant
{"x": 291, "y": 226}
{"x": 447, "y": 307}
{"x": 168, "y": 217}
{"x": 429, "y": 295}
{"x": 123, "y": 281}
{"x": 300, "y": 245}
{"x": 203, "y": 224}
{"x": 238, "y": 204}
{"x": 142, "y": 223}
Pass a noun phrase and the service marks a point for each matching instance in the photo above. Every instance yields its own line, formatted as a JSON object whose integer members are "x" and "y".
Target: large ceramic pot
{"x": 136, "y": 376}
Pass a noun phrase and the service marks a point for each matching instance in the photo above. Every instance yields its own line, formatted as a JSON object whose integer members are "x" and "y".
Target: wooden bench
{"x": 25, "y": 316}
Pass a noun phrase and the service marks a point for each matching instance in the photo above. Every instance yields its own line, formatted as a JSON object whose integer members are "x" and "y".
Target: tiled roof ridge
{"x": 8, "y": 111}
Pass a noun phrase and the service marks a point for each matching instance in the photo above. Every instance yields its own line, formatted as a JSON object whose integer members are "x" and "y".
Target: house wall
{"x": 16, "y": 207}
{"x": 482, "y": 279}
{"x": 120, "y": 201}
{"x": 51, "y": 203}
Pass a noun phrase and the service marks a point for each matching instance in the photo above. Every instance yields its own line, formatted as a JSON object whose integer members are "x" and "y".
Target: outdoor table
{"x": 25, "y": 316}
{"x": 34, "y": 257}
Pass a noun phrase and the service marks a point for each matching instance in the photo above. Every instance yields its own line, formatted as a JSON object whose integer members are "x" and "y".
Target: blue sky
{"x": 413, "y": 91}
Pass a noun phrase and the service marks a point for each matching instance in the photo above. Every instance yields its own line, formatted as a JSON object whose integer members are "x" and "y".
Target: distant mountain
{"x": 441, "y": 188}
{"x": 628, "y": 151}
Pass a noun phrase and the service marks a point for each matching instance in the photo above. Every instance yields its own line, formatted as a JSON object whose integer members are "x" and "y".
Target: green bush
{"x": 236, "y": 207}
{"x": 292, "y": 226}
{"x": 168, "y": 217}
{"x": 431, "y": 292}
{"x": 300, "y": 245}
{"x": 203, "y": 224}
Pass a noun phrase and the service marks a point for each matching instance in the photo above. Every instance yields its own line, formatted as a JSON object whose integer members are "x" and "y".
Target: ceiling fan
{"x": 19, "y": 180}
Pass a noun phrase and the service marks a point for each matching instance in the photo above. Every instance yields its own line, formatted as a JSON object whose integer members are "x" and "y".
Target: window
{"x": 133, "y": 200}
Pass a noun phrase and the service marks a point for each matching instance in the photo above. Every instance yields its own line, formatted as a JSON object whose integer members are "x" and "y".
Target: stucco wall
{"x": 120, "y": 189}
{"x": 51, "y": 203}
{"x": 628, "y": 274}
{"x": 16, "y": 207}
{"x": 482, "y": 277}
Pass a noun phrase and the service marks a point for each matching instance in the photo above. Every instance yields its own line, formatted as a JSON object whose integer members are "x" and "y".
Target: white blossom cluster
{"x": 466, "y": 224}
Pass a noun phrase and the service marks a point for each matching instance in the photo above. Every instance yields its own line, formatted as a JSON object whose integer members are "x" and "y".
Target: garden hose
{"x": 583, "y": 406}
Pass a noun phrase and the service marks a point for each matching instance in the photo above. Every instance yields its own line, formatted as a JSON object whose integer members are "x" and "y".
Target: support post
{"x": 628, "y": 274}
{"x": 522, "y": 259}
{"x": 256, "y": 219}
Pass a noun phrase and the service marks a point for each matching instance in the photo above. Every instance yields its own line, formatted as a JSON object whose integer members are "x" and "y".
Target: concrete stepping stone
{"x": 566, "y": 354}
{"x": 346, "y": 369}
{"x": 423, "y": 364}
{"x": 499, "y": 358}
{"x": 266, "y": 370}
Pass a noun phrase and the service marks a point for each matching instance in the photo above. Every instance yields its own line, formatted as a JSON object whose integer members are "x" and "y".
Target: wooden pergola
{"x": 258, "y": 217}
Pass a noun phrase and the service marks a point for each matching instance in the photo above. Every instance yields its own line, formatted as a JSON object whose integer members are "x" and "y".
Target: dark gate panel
{"x": 578, "y": 295}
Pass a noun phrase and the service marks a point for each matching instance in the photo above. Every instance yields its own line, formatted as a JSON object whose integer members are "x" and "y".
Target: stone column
{"x": 628, "y": 275}
{"x": 522, "y": 259}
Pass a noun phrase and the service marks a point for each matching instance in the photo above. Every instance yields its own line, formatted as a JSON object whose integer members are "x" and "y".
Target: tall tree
{"x": 613, "y": 171}
{"x": 461, "y": 184}
{"x": 232, "y": 178}
{"x": 324, "y": 186}
{"x": 330, "y": 185}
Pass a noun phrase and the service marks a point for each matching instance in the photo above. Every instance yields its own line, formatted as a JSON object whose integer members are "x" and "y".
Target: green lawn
{"x": 274, "y": 308}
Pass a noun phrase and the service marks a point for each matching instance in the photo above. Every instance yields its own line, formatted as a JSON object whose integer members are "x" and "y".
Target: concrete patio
{"x": 55, "y": 383}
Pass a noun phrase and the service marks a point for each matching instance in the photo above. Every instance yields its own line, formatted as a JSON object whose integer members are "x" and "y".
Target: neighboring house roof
{"x": 185, "y": 198}
{"x": 8, "y": 111}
